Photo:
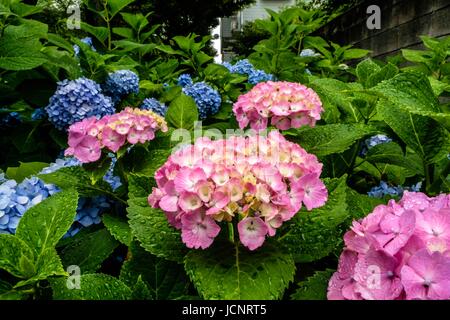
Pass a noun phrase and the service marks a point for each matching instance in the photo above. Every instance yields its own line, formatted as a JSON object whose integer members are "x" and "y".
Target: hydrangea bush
{"x": 167, "y": 195}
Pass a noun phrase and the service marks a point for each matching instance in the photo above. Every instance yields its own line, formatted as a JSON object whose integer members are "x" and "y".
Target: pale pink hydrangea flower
{"x": 402, "y": 251}
{"x": 255, "y": 182}
{"x": 286, "y": 104}
{"x": 87, "y": 138}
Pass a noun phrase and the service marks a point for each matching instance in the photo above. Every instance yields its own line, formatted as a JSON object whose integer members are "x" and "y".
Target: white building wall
{"x": 257, "y": 11}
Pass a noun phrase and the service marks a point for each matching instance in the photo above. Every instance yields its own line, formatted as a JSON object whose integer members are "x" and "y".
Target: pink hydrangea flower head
{"x": 241, "y": 180}
{"x": 286, "y": 104}
{"x": 112, "y": 132}
{"x": 402, "y": 250}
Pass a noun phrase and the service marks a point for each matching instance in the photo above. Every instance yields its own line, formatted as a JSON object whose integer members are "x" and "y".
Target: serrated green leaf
{"x": 385, "y": 73}
{"x": 48, "y": 264}
{"x": 101, "y": 33}
{"x": 314, "y": 287}
{"x": 43, "y": 225}
{"x": 20, "y": 53}
{"x": 360, "y": 205}
{"x": 92, "y": 287}
{"x": 365, "y": 69}
{"x": 140, "y": 290}
{"x": 119, "y": 228}
{"x": 77, "y": 177}
{"x": 386, "y": 153}
{"x": 25, "y": 170}
{"x": 164, "y": 279}
{"x": 351, "y": 54}
{"x": 90, "y": 251}
{"x": 331, "y": 138}
{"x": 139, "y": 186}
{"x": 227, "y": 272}
{"x": 13, "y": 254}
{"x": 182, "y": 112}
{"x": 117, "y": 5}
{"x": 313, "y": 235}
{"x": 424, "y": 135}
{"x": 151, "y": 228}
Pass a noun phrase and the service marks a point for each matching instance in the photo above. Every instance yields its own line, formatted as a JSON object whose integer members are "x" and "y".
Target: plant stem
{"x": 231, "y": 232}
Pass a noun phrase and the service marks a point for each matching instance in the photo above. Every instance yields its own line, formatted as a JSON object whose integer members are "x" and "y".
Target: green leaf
{"x": 360, "y": 205}
{"x": 90, "y": 251}
{"x": 416, "y": 55}
{"x": 227, "y": 272}
{"x": 351, "y": 54}
{"x": 386, "y": 153}
{"x": 331, "y": 138}
{"x": 48, "y": 264}
{"x": 153, "y": 160}
{"x": 20, "y": 53}
{"x": 117, "y": 5}
{"x": 313, "y": 235}
{"x": 139, "y": 186}
{"x": 119, "y": 228}
{"x": 16, "y": 257}
{"x": 182, "y": 112}
{"x": 43, "y": 225}
{"x": 385, "y": 73}
{"x": 164, "y": 279}
{"x": 77, "y": 177}
{"x": 151, "y": 228}
{"x": 25, "y": 170}
{"x": 424, "y": 135}
{"x": 314, "y": 288}
{"x": 101, "y": 33}
{"x": 365, "y": 69}
{"x": 140, "y": 291}
{"x": 92, "y": 287}
{"x": 333, "y": 95}
{"x": 60, "y": 42}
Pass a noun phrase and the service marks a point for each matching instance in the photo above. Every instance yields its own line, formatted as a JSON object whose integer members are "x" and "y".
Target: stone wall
{"x": 402, "y": 22}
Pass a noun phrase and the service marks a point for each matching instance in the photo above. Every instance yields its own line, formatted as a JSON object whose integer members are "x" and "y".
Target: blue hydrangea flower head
{"x": 184, "y": 80}
{"x": 110, "y": 178}
{"x": 208, "y": 100}
{"x": 61, "y": 163}
{"x": 244, "y": 67}
{"x": 257, "y": 76}
{"x": 308, "y": 53}
{"x": 75, "y": 100}
{"x": 38, "y": 114}
{"x": 155, "y": 106}
{"x": 88, "y": 41}
{"x": 10, "y": 119}
{"x": 384, "y": 189}
{"x": 374, "y": 141}
{"x": 121, "y": 83}
{"x": 16, "y": 199}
